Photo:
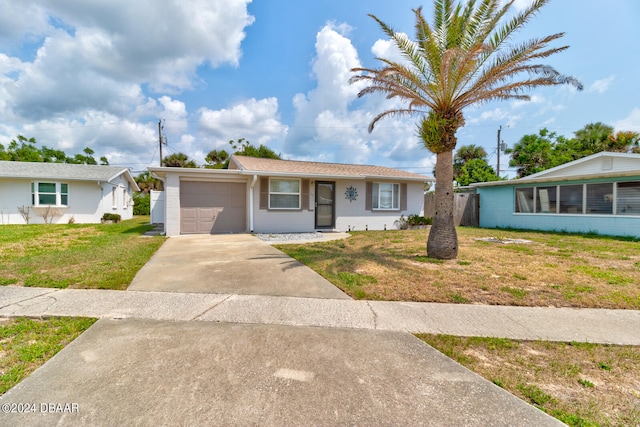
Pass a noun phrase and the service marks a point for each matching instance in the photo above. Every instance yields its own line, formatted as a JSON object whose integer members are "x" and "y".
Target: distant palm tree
{"x": 466, "y": 58}
{"x": 464, "y": 155}
{"x": 179, "y": 160}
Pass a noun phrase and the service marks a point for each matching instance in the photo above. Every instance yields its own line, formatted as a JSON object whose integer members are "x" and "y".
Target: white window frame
{"x": 114, "y": 197}
{"x": 35, "y": 193}
{"x": 395, "y": 196}
{"x": 299, "y": 194}
{"x": 124, "y": 197}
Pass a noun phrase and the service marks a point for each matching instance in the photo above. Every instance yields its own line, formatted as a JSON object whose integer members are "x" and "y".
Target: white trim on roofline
{"x": 582, "y": 160}
{"x": 246, "y": 172}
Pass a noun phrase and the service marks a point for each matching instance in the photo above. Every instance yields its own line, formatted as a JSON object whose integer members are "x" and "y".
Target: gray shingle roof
{"x": 295, "y": 167}
{"x": 61, "y": 171}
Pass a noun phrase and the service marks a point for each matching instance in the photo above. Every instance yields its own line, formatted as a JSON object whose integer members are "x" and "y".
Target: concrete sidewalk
{"x": 528, "y": 323}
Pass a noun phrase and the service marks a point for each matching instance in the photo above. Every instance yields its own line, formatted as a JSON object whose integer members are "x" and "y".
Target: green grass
{"x": 516, "y": 292}
{"x": 88, "y": 256}
{"x": 26, "y": 344}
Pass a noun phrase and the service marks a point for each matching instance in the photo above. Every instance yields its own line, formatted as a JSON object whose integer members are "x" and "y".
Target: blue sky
{"x": 102, "y": 74}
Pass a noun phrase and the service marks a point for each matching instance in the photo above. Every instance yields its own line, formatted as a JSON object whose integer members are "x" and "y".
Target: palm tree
{"x": 466, "y": 58}
{"x": 179, "y": 160}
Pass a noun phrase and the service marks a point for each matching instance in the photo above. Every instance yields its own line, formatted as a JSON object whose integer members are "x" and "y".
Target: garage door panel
{"x": 188, "y": 218}
{"x": 212, "y": 207}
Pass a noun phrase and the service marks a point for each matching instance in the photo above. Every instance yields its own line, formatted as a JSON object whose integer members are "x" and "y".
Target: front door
{"x": 325, "y": 192}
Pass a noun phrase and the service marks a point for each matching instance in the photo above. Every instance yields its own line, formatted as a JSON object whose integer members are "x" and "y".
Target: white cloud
{"x": 331, "y": 126}
{"x": 86, "y": 80}
{"x": 254, "y": 120}
{"x": 21, "y": 20}
{"x": 123, "y": 142}
{"x": 387, "y": 49}
{"x": 496, "y": 115}
{"x": 535, "y": 99}
{"x": 629, "y": 123}
{"x": 174, "y": 114}
{"x": 335, "y": 57}
{"x": 96, "y": 55}
{"x": 601, "y": 86}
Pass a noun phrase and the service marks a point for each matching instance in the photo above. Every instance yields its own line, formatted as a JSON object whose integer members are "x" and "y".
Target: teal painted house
{"x": 599, "y": 193}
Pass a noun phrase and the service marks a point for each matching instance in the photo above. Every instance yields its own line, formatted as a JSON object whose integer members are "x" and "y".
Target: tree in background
{"x": 23, "y": 149}
{"x": 625, "y": 142}
{"x": 470, "y": 165}
{"x": 219, "y": 159}
{"x": 142, "y": 199}
{"x": 535, "y": 153}
{"x": 244, "y": 148}
{"x": 179, "y": 160}
{"x": 467, "y": 58}
{"x": 146, "y": 182}
{"x": 591, "y": 139}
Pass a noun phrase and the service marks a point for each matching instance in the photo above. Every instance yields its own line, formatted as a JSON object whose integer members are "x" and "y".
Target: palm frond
{"x": 464, "y": 58}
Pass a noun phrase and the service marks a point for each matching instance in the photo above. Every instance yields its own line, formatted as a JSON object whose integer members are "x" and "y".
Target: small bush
{"x": 412, "y": 221}
{"x": 111, "y": 217}
{"x": 418, "y": 220}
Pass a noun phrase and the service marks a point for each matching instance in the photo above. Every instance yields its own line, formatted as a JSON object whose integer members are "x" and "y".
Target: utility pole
{"x": 499, "y": 146}
{"x": 160, "y": 139}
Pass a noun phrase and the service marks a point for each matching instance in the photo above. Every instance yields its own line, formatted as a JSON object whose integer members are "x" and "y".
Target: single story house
{"x": 599, "y": 193}
{"x": 61, "y": 192}
{"x": 275, "y": 196}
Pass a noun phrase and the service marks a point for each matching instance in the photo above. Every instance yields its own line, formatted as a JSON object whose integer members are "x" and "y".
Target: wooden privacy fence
{"x": 466, "y": 208}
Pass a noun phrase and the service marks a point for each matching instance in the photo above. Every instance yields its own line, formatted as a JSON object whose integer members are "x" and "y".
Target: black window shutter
{"x": 368, "y": 199}
{"x": 304, "y": 203}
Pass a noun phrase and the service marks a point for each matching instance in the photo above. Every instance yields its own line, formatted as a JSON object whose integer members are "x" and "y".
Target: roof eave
{"x": 128, "y": 177}
{"x": 528, "y": 180}
{"x": 161, "y": 171}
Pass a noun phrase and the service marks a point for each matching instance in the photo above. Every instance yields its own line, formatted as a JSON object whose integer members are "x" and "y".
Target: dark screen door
{"x": 324, "y": 204}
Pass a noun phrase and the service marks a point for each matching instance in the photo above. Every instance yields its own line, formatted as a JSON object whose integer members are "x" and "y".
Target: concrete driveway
{"x": 164, "y": 373}
{"x": 230, "y": 264}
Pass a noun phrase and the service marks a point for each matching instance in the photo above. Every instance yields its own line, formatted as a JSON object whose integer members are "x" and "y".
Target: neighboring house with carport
{"x": 275, "y": 196}
{"x": 599, "y": 193}
{"x": 64, "y": 192}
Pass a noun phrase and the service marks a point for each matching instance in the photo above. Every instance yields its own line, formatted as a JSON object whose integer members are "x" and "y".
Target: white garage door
{"x": 212, "y": 207}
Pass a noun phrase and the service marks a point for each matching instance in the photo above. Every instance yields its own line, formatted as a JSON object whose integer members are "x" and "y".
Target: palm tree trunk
{"x": 443, "y": 239}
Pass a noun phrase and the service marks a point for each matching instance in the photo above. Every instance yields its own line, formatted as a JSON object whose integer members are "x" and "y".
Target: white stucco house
{"x": 274, "y": 196}
{"x": 595, "y": 194}
{"x": 63, "y": 192}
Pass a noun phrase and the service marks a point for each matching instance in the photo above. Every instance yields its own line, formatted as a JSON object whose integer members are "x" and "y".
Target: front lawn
{"x": 26, "y": 344}
{"x": 581, "y": 384}
{"x": 555, "y": 269}
{"x": 83, "y": 256}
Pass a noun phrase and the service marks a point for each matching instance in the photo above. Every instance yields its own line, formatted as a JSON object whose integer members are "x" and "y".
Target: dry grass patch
{"x": 580, "y": 384}
{"x": 555, "y": 269}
